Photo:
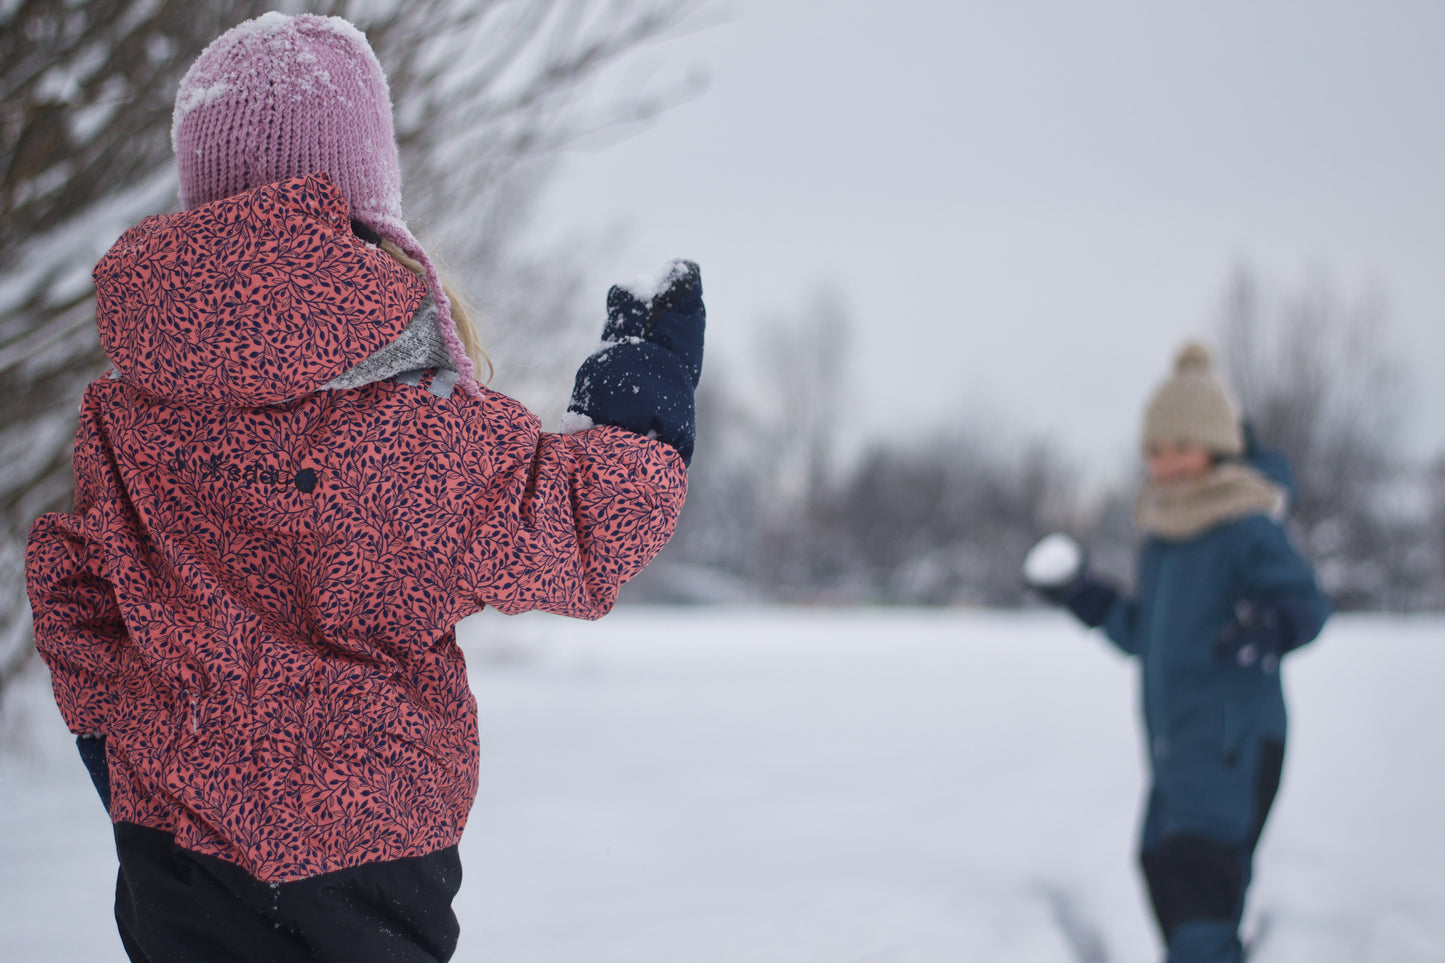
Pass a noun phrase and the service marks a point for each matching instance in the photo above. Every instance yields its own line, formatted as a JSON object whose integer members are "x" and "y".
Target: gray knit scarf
{"x": 1182, "y": 510}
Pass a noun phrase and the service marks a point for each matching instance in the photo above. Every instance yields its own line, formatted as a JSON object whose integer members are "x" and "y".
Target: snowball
{"x": 1054, "y": 561}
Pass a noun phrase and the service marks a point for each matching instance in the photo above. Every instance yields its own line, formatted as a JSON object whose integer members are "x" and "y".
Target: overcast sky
{"x": 1027, "y": 206}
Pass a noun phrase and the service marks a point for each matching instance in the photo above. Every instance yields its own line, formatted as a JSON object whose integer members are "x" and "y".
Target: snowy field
{"x": 843, "y": 787}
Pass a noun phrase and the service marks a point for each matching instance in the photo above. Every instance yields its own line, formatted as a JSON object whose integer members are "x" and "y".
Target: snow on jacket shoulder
{"x": 254, "y": 599}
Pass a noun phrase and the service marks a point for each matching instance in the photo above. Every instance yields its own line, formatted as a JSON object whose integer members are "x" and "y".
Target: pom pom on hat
{"x": 1193, "y": 407}
{"x": 1193, "y": 358}
{"x": 282, "y": 96}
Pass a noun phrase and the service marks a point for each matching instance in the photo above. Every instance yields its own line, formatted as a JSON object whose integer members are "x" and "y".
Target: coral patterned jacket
{"x": 254, "y": 600}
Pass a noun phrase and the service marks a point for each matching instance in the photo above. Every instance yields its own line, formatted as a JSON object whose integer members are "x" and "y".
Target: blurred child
{"x": 289, "y": 489}
{"x": 1221, "y": 596}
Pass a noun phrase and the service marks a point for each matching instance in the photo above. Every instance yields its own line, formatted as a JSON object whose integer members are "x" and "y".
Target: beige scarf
{"x": 1181, "y": 510}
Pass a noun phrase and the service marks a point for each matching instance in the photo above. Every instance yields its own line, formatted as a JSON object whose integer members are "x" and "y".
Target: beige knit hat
{"x": 1193, "y": 407}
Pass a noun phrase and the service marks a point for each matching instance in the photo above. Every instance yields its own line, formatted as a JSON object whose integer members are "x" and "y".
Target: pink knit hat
{"x": 280, "y": 96}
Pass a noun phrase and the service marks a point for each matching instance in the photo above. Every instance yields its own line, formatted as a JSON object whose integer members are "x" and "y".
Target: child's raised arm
{"x": 576, "y": 515}
{"x": 572, "y": 519}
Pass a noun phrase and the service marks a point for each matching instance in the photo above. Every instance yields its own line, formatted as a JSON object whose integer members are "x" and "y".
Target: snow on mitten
{"x": 644, "y": 375}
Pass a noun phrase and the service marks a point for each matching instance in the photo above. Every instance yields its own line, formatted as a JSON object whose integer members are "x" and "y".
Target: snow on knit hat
{"x": 282, "y": 96}
{"x": 1192, "y": 406}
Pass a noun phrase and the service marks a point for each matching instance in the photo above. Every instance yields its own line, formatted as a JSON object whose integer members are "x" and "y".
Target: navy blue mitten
{"x": 644, "y": 375}
{"x": 1090, "y": 599}
{"x": 1259, "y": 635}
{"x": 92, "y": 753}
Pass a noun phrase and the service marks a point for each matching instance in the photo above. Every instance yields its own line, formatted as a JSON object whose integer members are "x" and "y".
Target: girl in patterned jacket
{"x": 289, "y": 489}
{"x": 1221, "y": 595}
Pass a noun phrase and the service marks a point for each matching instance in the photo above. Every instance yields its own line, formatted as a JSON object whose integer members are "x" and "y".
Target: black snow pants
{"x": 176, "y": 905}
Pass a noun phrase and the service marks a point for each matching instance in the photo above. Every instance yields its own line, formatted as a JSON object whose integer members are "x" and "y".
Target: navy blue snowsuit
{"x": 1215, "y": 729}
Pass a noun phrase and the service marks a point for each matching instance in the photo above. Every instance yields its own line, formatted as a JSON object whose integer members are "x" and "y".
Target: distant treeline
{"x": 947, "y": 518}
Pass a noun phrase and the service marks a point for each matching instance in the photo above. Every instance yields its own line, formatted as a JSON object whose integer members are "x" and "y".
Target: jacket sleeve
{"x": 1121, "y": 624}
{"x": 1098, "y": 604}
{"x": 78, "y": 627}
{"x": 565, "y": 520}
{"x": 1274, "y": 576}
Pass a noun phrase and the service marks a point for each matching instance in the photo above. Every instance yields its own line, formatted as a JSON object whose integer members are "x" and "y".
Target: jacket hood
{"x": 249, "y": 301}
{"x": 1272, "y": 464}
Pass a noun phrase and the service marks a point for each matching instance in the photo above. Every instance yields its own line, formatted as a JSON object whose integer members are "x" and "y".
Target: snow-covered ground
{"x": 843, "y": 787}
